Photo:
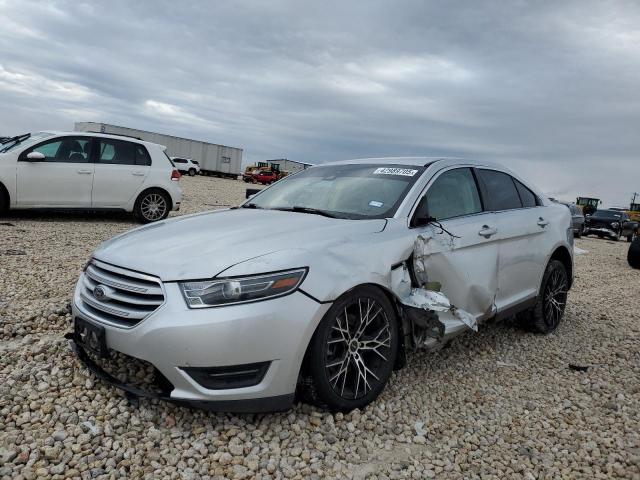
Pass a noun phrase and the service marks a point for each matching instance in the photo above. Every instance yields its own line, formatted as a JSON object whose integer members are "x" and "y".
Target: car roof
{"x": 103, "y": 135}
{"x": 419, "y": 162}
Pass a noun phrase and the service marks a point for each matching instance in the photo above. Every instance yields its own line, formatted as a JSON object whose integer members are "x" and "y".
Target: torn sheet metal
{"x": 433, "y": 318}
{"x": 437, "y": 302}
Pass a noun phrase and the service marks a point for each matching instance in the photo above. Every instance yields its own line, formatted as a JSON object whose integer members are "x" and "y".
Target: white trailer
{"x": 214, "y": 159}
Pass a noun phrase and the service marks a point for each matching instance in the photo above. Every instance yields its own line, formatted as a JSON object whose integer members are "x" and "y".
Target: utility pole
{"x": 635, "y": 194}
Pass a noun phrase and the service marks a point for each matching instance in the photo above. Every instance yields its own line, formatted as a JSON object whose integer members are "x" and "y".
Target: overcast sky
{"x": 552, "y": 89}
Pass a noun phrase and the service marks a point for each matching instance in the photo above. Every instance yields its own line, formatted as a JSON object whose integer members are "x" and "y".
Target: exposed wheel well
{"x": 562, "y": 255}
{"x": 5, "y": 199}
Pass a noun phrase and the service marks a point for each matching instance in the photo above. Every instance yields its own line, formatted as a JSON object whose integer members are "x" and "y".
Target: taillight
{"x": 175, "y": 175}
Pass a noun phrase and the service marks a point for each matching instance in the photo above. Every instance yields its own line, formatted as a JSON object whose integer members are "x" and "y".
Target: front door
{"x": 121, "y": 168}
{"x": 462, "y": 256}
{"x": 64, "y": 178}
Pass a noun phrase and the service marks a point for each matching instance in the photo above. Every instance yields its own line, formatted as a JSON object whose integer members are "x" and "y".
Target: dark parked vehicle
{"x": 577, "y": 219}
{"x": 633, "y": 257}
{"x": 612, "y": 224}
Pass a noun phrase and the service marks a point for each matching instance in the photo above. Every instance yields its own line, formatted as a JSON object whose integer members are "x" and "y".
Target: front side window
{"x": 116, "y": 152}
{"x": 354, "y": 191}
{"x": 500, "y": 190}
{"x": 64, "y": 150}
{"x": 452, "y": 194}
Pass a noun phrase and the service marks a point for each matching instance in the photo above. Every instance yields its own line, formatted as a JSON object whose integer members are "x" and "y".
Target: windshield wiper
{"x": 314, "y": 211}
{"x": 16, "y": 140}
{"x": 250, "y": 205}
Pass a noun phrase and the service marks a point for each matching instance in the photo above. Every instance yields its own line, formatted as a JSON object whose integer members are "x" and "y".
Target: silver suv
{"x": 318, "y": 284}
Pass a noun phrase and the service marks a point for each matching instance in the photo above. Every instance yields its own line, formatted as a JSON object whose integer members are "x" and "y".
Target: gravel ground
{"x": 500, "y": 403}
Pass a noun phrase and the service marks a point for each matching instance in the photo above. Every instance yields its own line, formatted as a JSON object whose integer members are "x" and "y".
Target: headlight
{"x": 229, "y": 291}
{"x": 615, "y": 224}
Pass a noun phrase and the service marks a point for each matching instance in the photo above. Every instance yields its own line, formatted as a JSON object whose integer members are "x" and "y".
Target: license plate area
{"x": 91, "y": 337}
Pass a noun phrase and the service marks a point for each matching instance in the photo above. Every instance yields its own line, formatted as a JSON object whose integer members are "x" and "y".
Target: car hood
{"x": 203, "y": 245}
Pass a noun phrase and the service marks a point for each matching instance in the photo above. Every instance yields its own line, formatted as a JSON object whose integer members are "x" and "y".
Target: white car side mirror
{"x": 35, "y": 156}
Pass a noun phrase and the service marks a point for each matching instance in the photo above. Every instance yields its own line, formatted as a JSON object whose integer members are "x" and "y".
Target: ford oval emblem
{"x": 100, "y": 293}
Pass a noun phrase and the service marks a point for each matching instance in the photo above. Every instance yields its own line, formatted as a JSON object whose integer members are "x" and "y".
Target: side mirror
{"x": 251, "y": 192}
{"x": 35, "y": 157}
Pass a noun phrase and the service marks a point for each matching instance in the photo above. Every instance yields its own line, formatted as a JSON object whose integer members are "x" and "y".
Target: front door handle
{"x": 84, "y": 172}
{"x": 542, "y": 222}
{"x": 138, "y": 174}
{"x": 487, "y": 231}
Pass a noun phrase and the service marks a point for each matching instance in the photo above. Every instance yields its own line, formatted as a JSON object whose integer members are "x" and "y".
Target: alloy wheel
{"x": 555, "y": 297}
{"x": 358, "y": 348}
{"x": 153, "y": 206}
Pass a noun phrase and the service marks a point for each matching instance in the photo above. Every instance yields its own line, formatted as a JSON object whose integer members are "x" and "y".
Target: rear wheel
{"x": 578, "y": 233}
{"x": 353, "y": 350}
{"x": 630, "y": 238}
{"x": 548, "y": 311}
{"x": 192, "y": 172}
{"x": 4, "y": 199}
{"x": 152, "y": 205}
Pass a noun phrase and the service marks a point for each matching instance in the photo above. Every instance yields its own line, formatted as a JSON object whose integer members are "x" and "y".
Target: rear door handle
{"x": 84, "y": 172}
{"x": 138, "y": 174}
{"x": 542, "y": 222}
{"x": 487, "y": 231}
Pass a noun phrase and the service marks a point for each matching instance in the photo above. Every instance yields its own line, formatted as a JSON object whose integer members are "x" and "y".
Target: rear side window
{"x": 116, "y": 152}
{"x": 142, "y": 156}
{"x": 500, "y": 190}
{"x": 179, "y": 160}
{"x": 453, "y": 194}
{"x": 528, "y": 198}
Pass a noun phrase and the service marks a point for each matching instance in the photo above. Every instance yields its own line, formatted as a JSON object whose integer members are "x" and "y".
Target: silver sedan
{"x": 317, "y": 286}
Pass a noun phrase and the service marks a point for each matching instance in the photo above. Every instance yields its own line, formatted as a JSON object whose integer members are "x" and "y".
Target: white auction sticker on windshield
{"x": 375, "y": 203}
{"x": 406, "y": 172}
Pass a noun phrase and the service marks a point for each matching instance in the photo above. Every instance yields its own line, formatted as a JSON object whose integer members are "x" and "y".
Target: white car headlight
{"x": 615, "y": 224}
{"x": 231, "y": 291}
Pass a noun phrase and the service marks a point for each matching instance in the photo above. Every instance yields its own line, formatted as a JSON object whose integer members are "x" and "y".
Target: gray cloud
{"x": 549, "y": 88}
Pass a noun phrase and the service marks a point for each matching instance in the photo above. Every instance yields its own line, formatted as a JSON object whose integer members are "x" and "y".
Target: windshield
{"x": 23, "y": 141}
{"x": 354, "y": 191}
{"x": 607, "y": 213}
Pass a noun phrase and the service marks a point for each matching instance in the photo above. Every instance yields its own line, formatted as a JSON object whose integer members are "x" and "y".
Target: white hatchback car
{"x": 319, "y": 283}
{"x": 77, "y": 170}
{"x": 186, "y": 166}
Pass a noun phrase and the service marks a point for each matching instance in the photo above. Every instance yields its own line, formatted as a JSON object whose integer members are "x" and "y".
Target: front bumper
{"x": 175, "y": 337}
{"x": 602, "y": 231}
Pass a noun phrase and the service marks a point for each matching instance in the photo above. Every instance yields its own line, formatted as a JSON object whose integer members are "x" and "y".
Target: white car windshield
{"x": 354, "y": 191}
{"x": 23, "y": 141}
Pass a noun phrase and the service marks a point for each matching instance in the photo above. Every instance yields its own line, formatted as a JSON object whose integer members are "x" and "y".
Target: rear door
{"x": 522, "y": 223}
{"x": 465, "y": 264}
{"x": 120, "y": 170}
{"x": 64, "y": 178}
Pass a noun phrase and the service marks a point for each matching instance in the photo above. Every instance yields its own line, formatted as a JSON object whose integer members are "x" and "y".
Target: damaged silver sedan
{"x": 319, "y": 284}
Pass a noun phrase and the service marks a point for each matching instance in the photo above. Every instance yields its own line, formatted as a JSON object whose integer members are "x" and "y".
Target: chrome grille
{"x": 118, "y": 296}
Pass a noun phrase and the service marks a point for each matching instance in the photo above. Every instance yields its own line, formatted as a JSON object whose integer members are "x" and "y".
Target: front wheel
{"x": 545, "y": 316}
{"x": 152, "y": 206}
{"x": 192, "y": 172}
{"x": 353, "y": 351}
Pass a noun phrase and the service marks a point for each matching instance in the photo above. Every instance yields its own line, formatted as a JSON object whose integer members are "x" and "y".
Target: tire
{"x": 4, "y": 199}
{"x": 633, "y": 257}
{"x": 629, "y": 237}
{"x": 578, "y": 234}
{"x": 369, "y": 355}
{"x": 192, "y": 172}
{"x": 144, "y": 209}
{"x": 548, "y": 311}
